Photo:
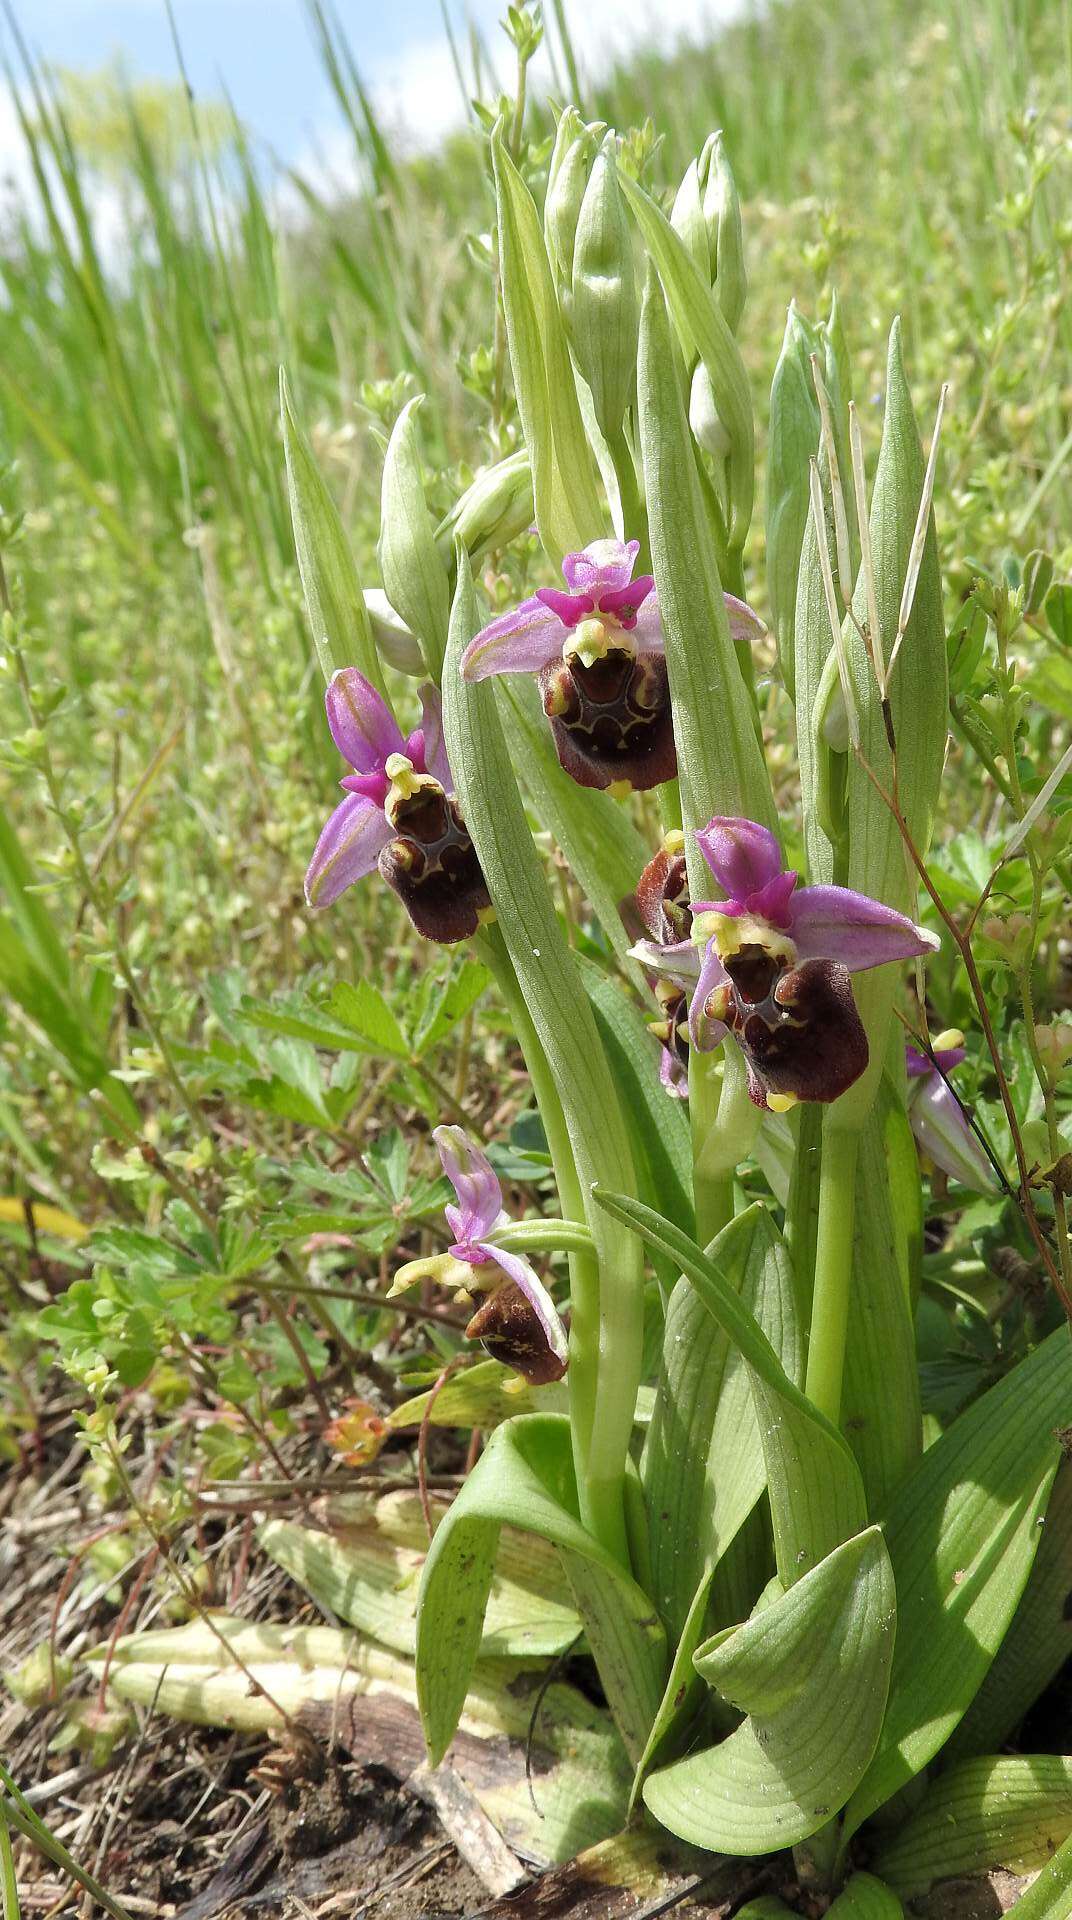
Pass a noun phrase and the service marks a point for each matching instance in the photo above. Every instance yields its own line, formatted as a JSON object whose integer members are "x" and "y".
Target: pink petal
{"x": 523, "y": 641}
{"x": 744, "y": 624}
{"x": 347, "y": 849}
{"x": 743, "y": 856}
{"x": 624, "y": 603}
{"x": 706, "y": 1033}
{"x": 474, "y": 1181}
{"x": 647, "y": 630}
{"x": 362, "y": 725}
{"x": 673, "y": 1076}
{"x": 943, "y": 1133}
{"x": 917, "y": 1064}
{"x": 603, "y": 564}
{"x": 570, "y": 608}
{"x": 529, "y": 1283}
{"x": 835, "y": 923}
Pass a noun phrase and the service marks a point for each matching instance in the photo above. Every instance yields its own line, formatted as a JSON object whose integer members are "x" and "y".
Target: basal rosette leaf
{"x": 963, "y": 1531}
{"x": 810, "y": 1671}
{"x": 1000, "y": 1810}
{"x": 525, "y": 1479}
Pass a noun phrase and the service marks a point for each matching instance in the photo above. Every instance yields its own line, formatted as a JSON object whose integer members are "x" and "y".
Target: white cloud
{"x": 416, "y": 90}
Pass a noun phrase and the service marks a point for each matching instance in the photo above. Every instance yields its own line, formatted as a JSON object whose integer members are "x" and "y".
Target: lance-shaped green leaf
{"x": 703, "y": 1467}
{"x": 565, "y": 1027}
{"x": 918, "y": 698}
{"x": 569, "y": 512}
{"x": 334, "y": 601}
{"x": 1038, "y": 1642}
{"x": 414, "y": 574}
{"x": 793, "y": 443}
{"x": 816, "y": 1494}
{"x": 1050, "y": 1896}
{"x": 605, "y": 852}
{"x": 1001, "y": 1810}
{"x": 720, "y": 760}
{"x": 865, "y": 1898}
{"x": 524, "y": 1478}
{"x": 605, "y": 315}
{"x": 702, "y": 328}
{"x": 810, "y": 1670}
{"x": 963, "y": 1531}
{"x": 820, "y": 770}
{"x": 658, "y": 1126}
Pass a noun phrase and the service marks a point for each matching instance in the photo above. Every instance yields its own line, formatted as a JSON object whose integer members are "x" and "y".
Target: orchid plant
{"x": 774, "y": 1580}
{"x": 798, "y": 1615}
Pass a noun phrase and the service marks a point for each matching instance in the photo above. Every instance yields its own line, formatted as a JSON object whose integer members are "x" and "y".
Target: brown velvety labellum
{"x": 612, "y": 721}
{"x": 432, "y": 866}
{"x": 805, "y": 1037}
{"x": 511, "y": 1331}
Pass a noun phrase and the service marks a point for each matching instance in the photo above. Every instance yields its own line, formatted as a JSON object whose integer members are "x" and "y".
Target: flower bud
{"x": 1054, "y": 1045}
{"x": 725, "y": 237}
{"x": 394, "y": 641}
{"x": 492, "y": 511}
{"x": 1009, "y": 937}
{"x": 567, "y": 179}
{"x": 605, "y": 310}
{"x": 707, "y": 429}
{"x": 687, "y": 219}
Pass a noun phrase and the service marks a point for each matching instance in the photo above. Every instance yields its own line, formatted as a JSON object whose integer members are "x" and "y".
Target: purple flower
{"x": 938, "y": 1119}
{"x": 661, "y": 904}
{"x": 399, "y": 814}
{"x": 599, "y": 652}
{"x": 776, "y": 967}
{"x": 517, "y": 1320}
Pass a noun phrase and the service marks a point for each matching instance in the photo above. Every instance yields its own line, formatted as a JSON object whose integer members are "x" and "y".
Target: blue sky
{"x": 263, "y": 51}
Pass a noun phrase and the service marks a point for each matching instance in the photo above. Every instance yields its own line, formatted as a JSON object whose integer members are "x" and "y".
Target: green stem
{"x": 724, "y": 1125}
{"x": 634, "y": 512}
{"x": 600, "y": 1503}
{"x": 833, "y": 1270}
{"x": 542, "y": 1236}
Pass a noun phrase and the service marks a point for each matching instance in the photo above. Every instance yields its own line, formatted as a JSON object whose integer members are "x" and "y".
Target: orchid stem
{"x": 833, "y": 1270}
{"x": 601, "y": 1506}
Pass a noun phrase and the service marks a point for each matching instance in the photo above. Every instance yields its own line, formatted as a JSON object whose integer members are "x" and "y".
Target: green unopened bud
{"x": 1054, "y": 1045}
{"x": 707, "y": 428}
{"x": 794, "y": 441}
{"x": 492, "y": 511}
{"x": 687, "y": 219}
{"x": 606, "y": 312}
{"x": 567, "y": 178}
{"x": 394, "y": 641}
{"x": 725, "y": 236}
